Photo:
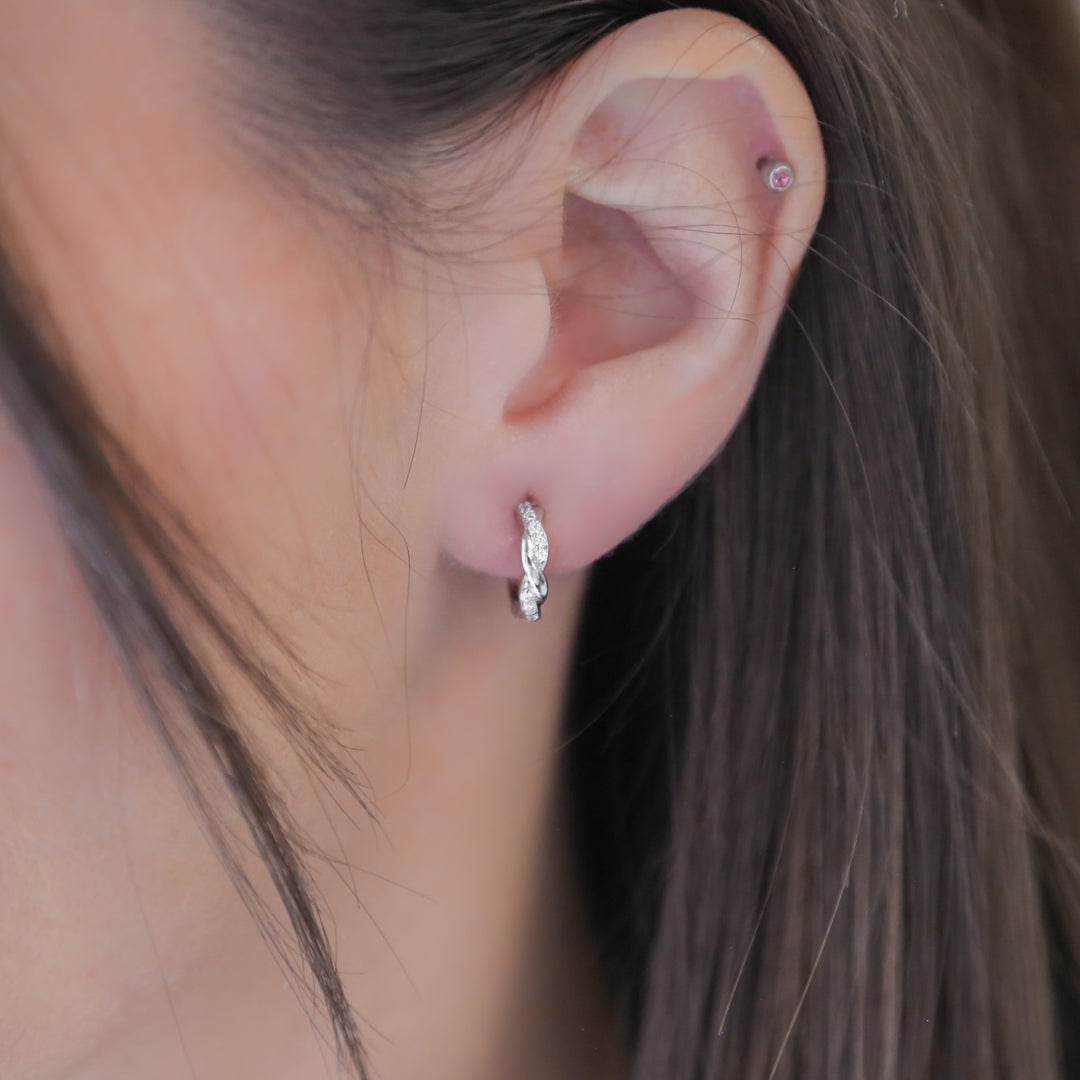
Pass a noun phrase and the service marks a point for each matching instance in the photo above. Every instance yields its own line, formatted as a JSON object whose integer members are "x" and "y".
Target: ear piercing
{"x": 777, "y": 175}
{"x": 533, "y": 590}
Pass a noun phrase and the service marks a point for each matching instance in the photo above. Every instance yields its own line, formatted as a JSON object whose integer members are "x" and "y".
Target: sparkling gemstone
{"x": 780, "y": 178}
{"x": 530, "y": 606}
{"x": 538, "y": 545}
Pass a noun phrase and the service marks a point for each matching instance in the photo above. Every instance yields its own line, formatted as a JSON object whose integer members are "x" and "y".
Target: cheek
{"x": 205, "y": 334}
{"x": 227, "y": 363}
{"x": 228, "y": 347}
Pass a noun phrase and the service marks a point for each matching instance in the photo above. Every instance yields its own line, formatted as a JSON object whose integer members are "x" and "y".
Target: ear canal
{"x": 611, "y": 295}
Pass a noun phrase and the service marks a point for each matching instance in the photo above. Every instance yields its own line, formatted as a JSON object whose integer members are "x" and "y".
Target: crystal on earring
{"x": 533, "y": 589}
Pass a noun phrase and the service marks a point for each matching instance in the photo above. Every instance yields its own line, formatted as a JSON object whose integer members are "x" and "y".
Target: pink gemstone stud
{"x": 777, "y": 175}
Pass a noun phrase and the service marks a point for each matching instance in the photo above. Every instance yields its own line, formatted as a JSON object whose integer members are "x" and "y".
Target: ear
{"x": 666, "y": 262}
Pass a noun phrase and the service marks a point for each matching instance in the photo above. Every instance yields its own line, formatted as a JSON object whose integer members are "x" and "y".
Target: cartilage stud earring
{"x": 777, "y": 175}
{"x": 533, "y": 590}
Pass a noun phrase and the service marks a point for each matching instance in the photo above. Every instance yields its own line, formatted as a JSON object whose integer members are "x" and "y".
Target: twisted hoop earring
{"x": 533, "y": 590}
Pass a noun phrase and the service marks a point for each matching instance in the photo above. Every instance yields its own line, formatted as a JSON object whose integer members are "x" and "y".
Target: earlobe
{"x": 672, "y": 267}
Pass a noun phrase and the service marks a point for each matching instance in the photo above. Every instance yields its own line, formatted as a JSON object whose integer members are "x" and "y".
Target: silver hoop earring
{"x": 777, "y": 175}
{"x": 533, "y": 590}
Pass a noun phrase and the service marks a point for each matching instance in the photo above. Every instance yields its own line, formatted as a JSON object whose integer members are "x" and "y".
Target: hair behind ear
{"x": 844, "y": 691}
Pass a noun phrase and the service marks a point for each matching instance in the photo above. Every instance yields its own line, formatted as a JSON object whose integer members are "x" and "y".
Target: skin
{"x": 348, "y": 425}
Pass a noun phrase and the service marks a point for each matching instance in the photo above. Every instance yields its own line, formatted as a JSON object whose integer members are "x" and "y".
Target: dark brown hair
{"x": 823, "y": 753}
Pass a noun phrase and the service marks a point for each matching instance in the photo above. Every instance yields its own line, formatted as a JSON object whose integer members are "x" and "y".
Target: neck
{"x": 467, "y": 956}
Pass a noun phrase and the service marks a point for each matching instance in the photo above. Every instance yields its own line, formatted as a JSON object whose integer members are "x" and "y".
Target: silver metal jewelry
{"x": 777, "y": 175}
{"x": 533, "y": 590}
